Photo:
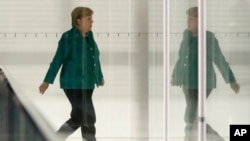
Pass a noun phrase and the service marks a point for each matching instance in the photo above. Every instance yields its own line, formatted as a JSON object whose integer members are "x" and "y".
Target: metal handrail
{"x": 27, "y": 108}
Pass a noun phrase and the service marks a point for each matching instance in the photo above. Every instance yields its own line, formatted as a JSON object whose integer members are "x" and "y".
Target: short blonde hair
{"x": 193, "y": 11}
{"x": 80, "y": 12}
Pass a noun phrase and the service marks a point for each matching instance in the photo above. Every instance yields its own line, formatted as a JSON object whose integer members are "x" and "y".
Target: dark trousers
{"x": 82, "y": 114}
{"x": 190, "y": 118}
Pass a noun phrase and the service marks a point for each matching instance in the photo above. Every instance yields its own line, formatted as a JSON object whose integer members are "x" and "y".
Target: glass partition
{"x": 229, "y": 23}
{"x": 183, "y": 56}
{"x": 131, "y": 40}
{"x": 155, "y": 70}
{"x": 213, "y": 90}
{"x": 129, "y": 36}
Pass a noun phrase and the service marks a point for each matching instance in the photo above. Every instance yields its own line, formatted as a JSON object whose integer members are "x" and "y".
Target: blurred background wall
{"x": 129, "y": 34}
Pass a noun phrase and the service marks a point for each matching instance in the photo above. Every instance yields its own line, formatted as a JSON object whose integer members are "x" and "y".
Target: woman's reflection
{"x": 185, "y": 73}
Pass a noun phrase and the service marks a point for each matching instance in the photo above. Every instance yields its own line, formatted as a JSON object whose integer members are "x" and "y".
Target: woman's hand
{"x": 43, "y": 87}
{"x": 103, "y": 82}
{"x": 235, "y": 86}
{"x": 172, "y": 81}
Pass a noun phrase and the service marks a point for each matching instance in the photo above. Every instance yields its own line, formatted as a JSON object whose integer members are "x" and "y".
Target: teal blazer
{"x": 185, "y": 72}
{"x": 79, "y": 58}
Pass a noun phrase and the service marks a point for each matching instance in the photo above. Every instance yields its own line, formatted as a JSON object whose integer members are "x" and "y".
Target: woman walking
{"x": 78, "y": 55}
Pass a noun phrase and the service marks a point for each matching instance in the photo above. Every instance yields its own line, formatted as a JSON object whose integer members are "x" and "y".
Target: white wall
{"x": 132, "y": 61}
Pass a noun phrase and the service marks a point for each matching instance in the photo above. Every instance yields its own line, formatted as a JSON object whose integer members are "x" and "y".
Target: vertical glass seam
{"x": 165, "y": 67}
{"x": 202, "y": 71}
{"x": 129, "y": 68}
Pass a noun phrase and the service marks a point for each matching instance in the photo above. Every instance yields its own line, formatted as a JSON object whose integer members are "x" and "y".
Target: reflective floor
{"x": 113, "y": 117}
{"x": 120, "y": 139}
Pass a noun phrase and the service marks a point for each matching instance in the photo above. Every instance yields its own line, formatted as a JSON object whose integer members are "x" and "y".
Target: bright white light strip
{"x": 202, "y": 71}
{"x": 129, "y": 69}
{"x": 165, "y": 68}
